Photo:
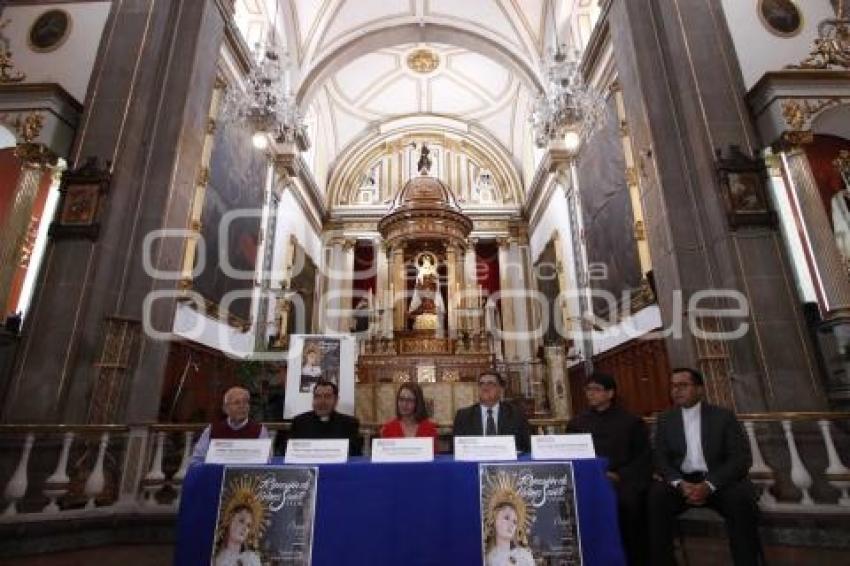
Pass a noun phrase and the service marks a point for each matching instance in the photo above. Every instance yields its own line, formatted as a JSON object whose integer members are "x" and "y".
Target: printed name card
{"x": 562, "y": 447}
{"x": 302, "y": 451}
{"x": 402, "y": 449}
{"x": 485, "y": 448}
{"x": 239, "y": 451}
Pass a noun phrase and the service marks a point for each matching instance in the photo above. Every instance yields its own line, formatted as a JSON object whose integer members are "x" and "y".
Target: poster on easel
{"x": 314, "y": 358}
{"x": 265, "y": 516}
{"x": 529, "y": 515}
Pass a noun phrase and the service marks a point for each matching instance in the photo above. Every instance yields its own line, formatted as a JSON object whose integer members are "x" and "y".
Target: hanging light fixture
{"x": 567, "y": 110}
{"x": 267, "y": 106}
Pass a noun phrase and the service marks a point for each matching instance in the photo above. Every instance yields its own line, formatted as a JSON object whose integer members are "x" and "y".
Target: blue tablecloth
{"x": 400, "y": 514}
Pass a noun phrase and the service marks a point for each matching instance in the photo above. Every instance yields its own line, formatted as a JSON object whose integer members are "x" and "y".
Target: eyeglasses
{"x": 488, "y": 384}
{"x": 681, "y": 385}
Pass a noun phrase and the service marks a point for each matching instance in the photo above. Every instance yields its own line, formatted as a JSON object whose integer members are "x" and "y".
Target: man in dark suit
{"x": 490, "y": 416}
{"x": 702, "y": 456}
{"x": 622, "y": 439}
{"x": 324, "y": 422}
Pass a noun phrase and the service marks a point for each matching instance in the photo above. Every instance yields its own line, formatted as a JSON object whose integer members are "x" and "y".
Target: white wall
{"x": 760, "y": 51}
{"x": 556, "y": 217}
{"x": 71, "y": 64}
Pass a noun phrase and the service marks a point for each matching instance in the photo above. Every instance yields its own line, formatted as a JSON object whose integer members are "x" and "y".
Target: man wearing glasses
{"x": 490, "y": 416}
{"x": 324, "y": 422}
{"x": 237, "y": 406}
{"x": 703, "y": 457}
{"x": 622, "y": 439}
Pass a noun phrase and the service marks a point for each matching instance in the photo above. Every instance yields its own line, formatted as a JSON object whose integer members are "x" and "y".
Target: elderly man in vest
{"x": 237, "y": 404}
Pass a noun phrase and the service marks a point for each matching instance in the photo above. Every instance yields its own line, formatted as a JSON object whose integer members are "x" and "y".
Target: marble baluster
{"x": 58, "y": 482}
{"x": 97, "y": 479}
{"x": 800, "y": 476}
{"x": 17, "y": 486}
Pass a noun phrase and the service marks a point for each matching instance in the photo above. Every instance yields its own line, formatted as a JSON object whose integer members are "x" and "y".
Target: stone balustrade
{"x": 51, "y": 472}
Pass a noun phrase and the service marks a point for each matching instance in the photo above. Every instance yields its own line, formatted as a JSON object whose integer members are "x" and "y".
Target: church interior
{"x": 542, "y": 187}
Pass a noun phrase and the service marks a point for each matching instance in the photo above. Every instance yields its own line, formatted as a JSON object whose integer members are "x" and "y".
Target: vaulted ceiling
{"x": 381, "y": 85}
{"x": 353, "y": 67}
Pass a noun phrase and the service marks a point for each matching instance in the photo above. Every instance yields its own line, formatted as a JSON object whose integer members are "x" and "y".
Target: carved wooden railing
{"x": 53, "y": 472}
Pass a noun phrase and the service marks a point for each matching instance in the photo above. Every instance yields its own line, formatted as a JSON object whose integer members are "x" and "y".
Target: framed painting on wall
{"x": 781, "y": 17}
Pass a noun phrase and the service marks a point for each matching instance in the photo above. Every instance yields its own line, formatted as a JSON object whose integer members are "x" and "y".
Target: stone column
{"x": 470, "y": 283}
{"x": 463, "y": 179}
{"x": 397, "y": 282}
{"x": 35, "y": 162}
{"x": 333, "y": 288}
{"x": 505, "y": 285}
{"x": 323, "y": 286}
{"x": 453, "y": 287}
{"x": 680, "y": 53}
{"x": 559, "y": 391}
{"x": 834, "y": 285}
{"x": 347, "y": 284}
{"x": 146, "y": 114}
{"x": 522, "y": 283}
{"x": 382, "y": 292}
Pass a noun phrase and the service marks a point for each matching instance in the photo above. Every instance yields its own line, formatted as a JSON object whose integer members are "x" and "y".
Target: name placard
{"x": 402, "y": 449}
{"x": 485, "y": 448}
{"x": 562, "y": 447}
{"x": 303, "y": 451}
{"x": 239, "y": 451}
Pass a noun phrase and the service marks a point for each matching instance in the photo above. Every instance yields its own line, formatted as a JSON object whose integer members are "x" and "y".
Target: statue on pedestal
{"x": 840, "y": 206}
{"x": 426, "y": 306}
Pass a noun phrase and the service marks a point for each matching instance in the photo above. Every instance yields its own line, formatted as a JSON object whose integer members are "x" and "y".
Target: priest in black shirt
{"x": 323, "y": 422}
{"x": 622, "y": 438}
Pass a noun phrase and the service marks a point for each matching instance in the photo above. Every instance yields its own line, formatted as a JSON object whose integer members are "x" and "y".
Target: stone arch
{"x": 371, "y": 146}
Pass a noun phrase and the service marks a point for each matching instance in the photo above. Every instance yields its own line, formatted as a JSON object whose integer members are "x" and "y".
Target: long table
{"x": 400, "y": 514}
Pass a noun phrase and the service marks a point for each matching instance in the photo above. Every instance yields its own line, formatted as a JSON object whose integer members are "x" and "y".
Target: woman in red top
{"x": 411, "y": 416}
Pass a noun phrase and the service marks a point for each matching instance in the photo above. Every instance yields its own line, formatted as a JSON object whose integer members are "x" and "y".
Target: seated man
{"x": 490, "y": 416}
{"x": 324, "y": 422}
{"x": 622, "y": 438}
{"x": 703, "y": 457}
{"x": 237, "y": 404}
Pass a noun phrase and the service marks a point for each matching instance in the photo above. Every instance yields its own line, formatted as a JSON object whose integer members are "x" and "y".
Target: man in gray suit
{"x": 491, "y": 416}
{"x": 702, "y": 456}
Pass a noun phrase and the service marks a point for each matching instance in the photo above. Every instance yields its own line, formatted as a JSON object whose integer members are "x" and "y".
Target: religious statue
{"x": 424, "y": 165}
{"x": 427, "y": 302}
{"x": 840, "y": 206}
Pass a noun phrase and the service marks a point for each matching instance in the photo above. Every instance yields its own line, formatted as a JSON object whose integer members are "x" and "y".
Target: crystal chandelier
{"x": 267, "y": 105}
{"x": 568, "y": 109}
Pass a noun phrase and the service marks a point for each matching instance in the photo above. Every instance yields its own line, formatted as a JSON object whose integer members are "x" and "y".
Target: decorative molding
{"x": 831, "y": 49}
{"x": 8, "y": 73}
{"x": 786, "y": 103}
{"x": 798, "y": 113}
